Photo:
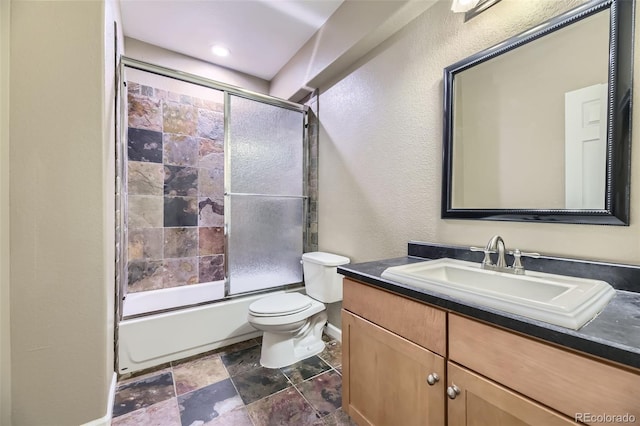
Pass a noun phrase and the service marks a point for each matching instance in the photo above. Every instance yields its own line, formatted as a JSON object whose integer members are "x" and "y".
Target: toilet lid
{"x": 280, "y": 304}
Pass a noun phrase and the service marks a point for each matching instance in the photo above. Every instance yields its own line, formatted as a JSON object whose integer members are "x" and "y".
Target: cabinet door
{"x": 384, "y": 379}
{"x": 484, "y": 403}
{"x": 570, "y": 383}
{"x": 422, "y": 324}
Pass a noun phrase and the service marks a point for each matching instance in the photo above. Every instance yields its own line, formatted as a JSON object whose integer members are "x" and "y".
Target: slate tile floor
{"x": 228, "y": 387}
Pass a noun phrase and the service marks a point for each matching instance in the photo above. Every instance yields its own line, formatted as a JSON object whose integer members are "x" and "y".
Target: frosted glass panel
{"x": 266, "y": 149}
{"x": 265, "y": 242}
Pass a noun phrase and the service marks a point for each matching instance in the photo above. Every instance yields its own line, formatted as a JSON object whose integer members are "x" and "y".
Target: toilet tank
{"x": 321, "y": 280}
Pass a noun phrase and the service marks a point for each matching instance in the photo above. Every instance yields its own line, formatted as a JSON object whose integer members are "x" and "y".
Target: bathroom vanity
{"x": 444, "y": 344}
{"x": 415, "y": 357}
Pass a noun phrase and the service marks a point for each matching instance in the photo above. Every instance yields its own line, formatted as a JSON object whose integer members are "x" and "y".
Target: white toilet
{"x": 292, "y": 322}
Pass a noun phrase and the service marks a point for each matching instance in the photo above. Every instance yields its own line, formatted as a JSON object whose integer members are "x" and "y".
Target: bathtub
{"x": 151, "y": 340}
{"x": 168, "y": 298}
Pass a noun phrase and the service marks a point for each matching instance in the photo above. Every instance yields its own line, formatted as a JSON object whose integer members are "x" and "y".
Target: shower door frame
{"x": 121, "y": 181}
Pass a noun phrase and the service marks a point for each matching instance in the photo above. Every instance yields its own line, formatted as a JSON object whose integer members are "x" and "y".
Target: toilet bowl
{"x": 292, "y": 323}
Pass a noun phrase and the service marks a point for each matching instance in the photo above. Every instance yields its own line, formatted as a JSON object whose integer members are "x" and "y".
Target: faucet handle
{"x": 517, "y": 262}
{"x": 481, "y": 249}
{"x": 518, "y": 253}
{"x": 487, "y": 253}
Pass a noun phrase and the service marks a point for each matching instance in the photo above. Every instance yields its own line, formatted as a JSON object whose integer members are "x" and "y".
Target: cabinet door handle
{"x": 453, "y": 391}
{"x": 433, "y": 378}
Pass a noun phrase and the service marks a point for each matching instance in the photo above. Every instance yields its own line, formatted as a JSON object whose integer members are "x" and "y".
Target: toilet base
{"x": 283, "y": 349}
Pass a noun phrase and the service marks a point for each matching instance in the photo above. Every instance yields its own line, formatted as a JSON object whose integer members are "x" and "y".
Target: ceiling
{"x": 262, "y": 35}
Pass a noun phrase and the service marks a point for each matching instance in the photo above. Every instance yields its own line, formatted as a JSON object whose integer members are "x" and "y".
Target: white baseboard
{"x": 334, "y": 332}
{"x": 106, "y": 419}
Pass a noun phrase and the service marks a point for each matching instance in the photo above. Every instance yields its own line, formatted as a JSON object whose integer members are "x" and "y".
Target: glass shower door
{"x": 264, "y": 199}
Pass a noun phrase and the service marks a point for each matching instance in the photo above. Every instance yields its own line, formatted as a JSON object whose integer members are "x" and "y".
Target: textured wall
{"x": 381, "y": 147}
{"x": 62, "y": 213}
{"x": 5, "y": 347}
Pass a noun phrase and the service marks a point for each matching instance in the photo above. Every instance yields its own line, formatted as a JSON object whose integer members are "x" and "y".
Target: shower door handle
{"x": 249, "y": 194}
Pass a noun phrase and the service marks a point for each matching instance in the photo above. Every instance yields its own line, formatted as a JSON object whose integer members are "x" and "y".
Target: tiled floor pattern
{"x": 229, "y": 387}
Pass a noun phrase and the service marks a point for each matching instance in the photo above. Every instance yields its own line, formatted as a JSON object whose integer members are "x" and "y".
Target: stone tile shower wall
{"x": 312, "y": 172}
{"x": 175, "y": 189}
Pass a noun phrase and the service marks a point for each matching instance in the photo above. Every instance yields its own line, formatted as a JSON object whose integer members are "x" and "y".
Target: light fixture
{"x": 220, "y": 50}
{"x": 471, "y": 8}
{"x": 463, "y": 5}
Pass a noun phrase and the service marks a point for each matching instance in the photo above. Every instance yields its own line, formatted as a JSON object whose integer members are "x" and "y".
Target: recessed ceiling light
{"x": 219, "y": 50}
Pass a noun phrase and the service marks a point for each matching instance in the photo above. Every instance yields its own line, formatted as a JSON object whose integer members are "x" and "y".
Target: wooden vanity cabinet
{"x": 482, "y": 402}
{"x": 419, "y": 323}
{"x": 568, "y": 382}
{"x": 391, "y": 374}
{"x": 385, "y": 377}
{"x": 411, "y": 364}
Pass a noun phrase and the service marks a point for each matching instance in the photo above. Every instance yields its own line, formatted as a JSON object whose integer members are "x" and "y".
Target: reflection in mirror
{"x": 537, "y": 127}
{"x": 501, "y": 140}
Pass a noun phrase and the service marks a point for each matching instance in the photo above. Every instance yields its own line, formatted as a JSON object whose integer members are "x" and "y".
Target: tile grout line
{"x": 175, "y": 392}
{"x": 173, "y": 380}
{"x": 312, "y": 378}
{"x": 245, "y": 406}
{"x": 146, "y": 376}
{"x": 293, "y": 385}
{"x": 289, "y": 382}
{"x": 317, "y": 375}
{"x": 269, "y": 396}
{"x": 318, "y": 416}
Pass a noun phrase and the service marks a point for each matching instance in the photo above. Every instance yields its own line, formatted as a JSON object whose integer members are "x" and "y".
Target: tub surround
{"x": 613, "y": 335}
{"x": 175, "y": 189}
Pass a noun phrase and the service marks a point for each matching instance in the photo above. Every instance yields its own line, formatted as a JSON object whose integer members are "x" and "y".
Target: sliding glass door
{"x": 265, "y": 197}
{"x": 212, "y": 191}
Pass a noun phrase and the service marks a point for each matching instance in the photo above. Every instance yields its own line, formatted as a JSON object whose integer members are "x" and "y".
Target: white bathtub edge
{"x": 167, "y": 298}
{"x": 156, "y": 339}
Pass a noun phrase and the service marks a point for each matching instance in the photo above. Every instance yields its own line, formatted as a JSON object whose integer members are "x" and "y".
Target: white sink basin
{"x": 557, "y": 299}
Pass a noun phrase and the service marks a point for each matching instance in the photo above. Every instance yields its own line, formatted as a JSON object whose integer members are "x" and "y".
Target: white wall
{"x": 5, "y": 337}
{"x": 146, "y": 52}
{"x": 62, "y": 191}
{"x": 381, "y": 147}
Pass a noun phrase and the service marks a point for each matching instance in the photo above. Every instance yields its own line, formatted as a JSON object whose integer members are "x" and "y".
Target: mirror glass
{"x": 537, "y": 127}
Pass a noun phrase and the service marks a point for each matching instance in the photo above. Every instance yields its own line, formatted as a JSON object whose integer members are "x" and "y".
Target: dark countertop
{"x": 613, "y": 335}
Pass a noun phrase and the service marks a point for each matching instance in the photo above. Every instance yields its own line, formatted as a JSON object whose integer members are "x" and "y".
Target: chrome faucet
{"x": 496, "y": 245}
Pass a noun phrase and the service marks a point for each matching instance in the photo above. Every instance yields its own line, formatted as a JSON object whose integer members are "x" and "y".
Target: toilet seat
{"x": 280, "y": 305}
{"x": 296, "y": 313}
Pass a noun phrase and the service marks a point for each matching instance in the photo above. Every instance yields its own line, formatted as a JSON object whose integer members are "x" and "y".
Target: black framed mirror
{"x": 538, "y": 127}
